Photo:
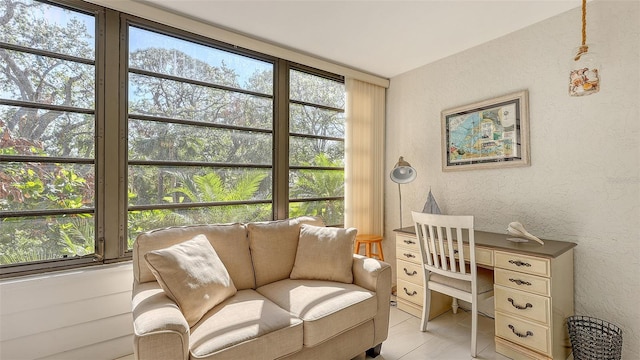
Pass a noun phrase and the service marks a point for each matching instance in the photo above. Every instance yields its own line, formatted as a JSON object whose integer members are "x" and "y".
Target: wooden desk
{"x": 533, "y": 291}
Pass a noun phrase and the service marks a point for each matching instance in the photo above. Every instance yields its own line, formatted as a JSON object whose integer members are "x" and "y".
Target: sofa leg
{"x": 374, "y": 351}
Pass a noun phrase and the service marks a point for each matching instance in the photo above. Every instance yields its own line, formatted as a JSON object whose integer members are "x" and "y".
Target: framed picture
{"x": 488, "y": 134}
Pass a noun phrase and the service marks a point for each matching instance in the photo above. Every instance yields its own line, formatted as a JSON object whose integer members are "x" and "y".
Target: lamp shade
{"x": 403, "y": 173}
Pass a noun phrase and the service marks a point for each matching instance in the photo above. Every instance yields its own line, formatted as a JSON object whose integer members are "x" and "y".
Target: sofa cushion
{"x": 324, "y": 253}
{"x": 327, "y": 308}
{"x": 246, "y": 326}
{"x": 229, "y": 240}
{"x": 192, "y": 275}
{"x": 273, "y": 247}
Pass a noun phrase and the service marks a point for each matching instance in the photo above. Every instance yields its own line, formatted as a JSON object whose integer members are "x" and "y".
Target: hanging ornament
{"x": 584, "y": 77}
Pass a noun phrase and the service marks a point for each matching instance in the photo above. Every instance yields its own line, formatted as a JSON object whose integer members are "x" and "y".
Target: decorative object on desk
{"x": 584, "y": 74}
{"x": 487, "y": 134}
{"x": 522, "y": 235}
{"x": 402, "y": 173}
{"x": 431, "y": 206}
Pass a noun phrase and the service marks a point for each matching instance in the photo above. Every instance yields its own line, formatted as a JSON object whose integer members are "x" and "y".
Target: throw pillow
{"x": 192, "y": 275}
{"x": 324, "y": 253}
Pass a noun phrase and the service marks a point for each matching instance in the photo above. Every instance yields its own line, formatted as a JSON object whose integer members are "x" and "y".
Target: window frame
{"x": 328, "y": 76}
{"x": 111, "y": 133}
{"x": 63, "y": 263}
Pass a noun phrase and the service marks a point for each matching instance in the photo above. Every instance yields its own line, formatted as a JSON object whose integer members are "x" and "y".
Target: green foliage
{"x": 319, "y": 183}
{"x": 78, "y": 237}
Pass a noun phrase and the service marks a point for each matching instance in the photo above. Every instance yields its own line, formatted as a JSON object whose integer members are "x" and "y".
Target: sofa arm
{"x": 375, "y": 275}
{"x": 370, "y": 273}
{"x": 160, "y": 330}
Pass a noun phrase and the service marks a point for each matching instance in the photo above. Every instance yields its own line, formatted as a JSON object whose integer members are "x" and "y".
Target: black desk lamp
{"x": 402, "y": 173}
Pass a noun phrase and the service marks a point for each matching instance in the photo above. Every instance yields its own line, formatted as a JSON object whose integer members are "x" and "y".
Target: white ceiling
{"x": 384, "y": 38}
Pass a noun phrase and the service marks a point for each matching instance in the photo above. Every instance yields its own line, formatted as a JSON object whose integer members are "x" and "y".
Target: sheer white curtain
{"x": 364, "y": 157}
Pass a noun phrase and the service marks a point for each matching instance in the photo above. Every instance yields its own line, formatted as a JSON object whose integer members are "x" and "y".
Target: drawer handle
{"x": 529, "y": 333}
{"x": 519, "y": 263}
{"x": 520, "y": 307}
{"x": 520, "y": 282}
{"x": 410, "y": 293}
{"x": 409, "y": 255}
{"x": 410, "y": 273}
{"x": 455, "y": 251}
{"x": 409, "y": 242}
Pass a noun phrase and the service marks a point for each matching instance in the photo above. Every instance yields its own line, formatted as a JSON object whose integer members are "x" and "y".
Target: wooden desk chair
{"x": 368, "y": 240}
{"x": 441, "y": 244}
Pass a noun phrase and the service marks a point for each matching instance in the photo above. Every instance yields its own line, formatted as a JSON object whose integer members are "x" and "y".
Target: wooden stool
{"x": 367, "y": 240}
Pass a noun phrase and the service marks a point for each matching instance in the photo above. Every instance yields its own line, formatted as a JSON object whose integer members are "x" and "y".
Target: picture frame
{"x": 488, "y": 134}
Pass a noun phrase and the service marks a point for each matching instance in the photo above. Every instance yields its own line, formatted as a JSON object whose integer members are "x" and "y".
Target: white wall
{"x": 583, "y": 184}
{"x": 77, "y": 314}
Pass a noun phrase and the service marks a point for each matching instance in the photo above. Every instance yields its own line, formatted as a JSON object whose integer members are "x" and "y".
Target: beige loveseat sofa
{"x": 277, "y": 308}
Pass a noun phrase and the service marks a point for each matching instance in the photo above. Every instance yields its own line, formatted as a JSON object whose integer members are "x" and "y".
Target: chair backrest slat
{"x": 460, "y": 250}
{"x": 440, "y": 249}
{"x": 452, "y": 253}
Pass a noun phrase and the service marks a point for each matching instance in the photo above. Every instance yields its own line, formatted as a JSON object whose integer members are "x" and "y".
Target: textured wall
{"x": 583, "y": 184}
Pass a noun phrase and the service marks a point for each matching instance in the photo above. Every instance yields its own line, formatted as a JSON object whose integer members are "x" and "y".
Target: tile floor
{"x": 448, "y": 338}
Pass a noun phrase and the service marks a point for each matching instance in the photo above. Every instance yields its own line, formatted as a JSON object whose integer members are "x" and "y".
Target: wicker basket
{"x": 594, "y": 339}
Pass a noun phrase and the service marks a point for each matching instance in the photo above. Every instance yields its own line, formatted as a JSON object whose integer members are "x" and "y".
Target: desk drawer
{"x": 410, "y": 272}
{"x": 523, "y": 332}
{"x": 409, "y": 255}
{"x": 525, "y": 282}
{"x": 522, "y": 304}
{"x": 483, "y": 256}
{"x": 523, "y": 263}
{"x": 410, "y": 292}
{"x": 407, "y": 242}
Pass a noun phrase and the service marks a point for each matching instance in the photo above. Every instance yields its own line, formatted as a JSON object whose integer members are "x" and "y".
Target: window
{"x": 195, "y": 135}
{"x": 200, "y": 133}
{"x": 47, "y": 133}
{"x": 316, "y": 146}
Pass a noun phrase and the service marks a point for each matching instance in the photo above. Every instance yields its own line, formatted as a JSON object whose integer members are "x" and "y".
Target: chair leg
{"x": 454, "y": 305}
{"x": 380, "y": 252}
{"x": 367, "y": 248}
{"x": 474, "y": 328}
{"x": 425, "y": 310}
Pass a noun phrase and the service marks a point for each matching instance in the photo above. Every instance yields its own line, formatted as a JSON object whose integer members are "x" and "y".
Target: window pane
{"x": 316, "y": 90}
{"x": 310, "y": 120}
{"x": 227, "y": 114}
{"x": 37, "y": 132}
{"x": 41, "y": 186}
{"x": 46, "y": 27}
{"x": 316, "y": 152}
{"x": 47, "y": 127}
{"x": 324, "y": 123}
{"x": 153, "y": 96}
{"x": 48, "y": 81}
{"x": 168, "y": 55}
{"x": 141, "y": 221}
{"x": 149, "y": 185}
{"x": 150, "y": 140}
{"x": 316, "y": 183}
{"x": 331, "y": 211}
{"x": 30, "y": 239}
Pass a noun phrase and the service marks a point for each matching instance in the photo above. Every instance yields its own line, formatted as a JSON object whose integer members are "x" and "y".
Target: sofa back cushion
{"x": 273, "y": 247}
{"x": 229, "y": 241}
{"x": 324, "y": 253}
